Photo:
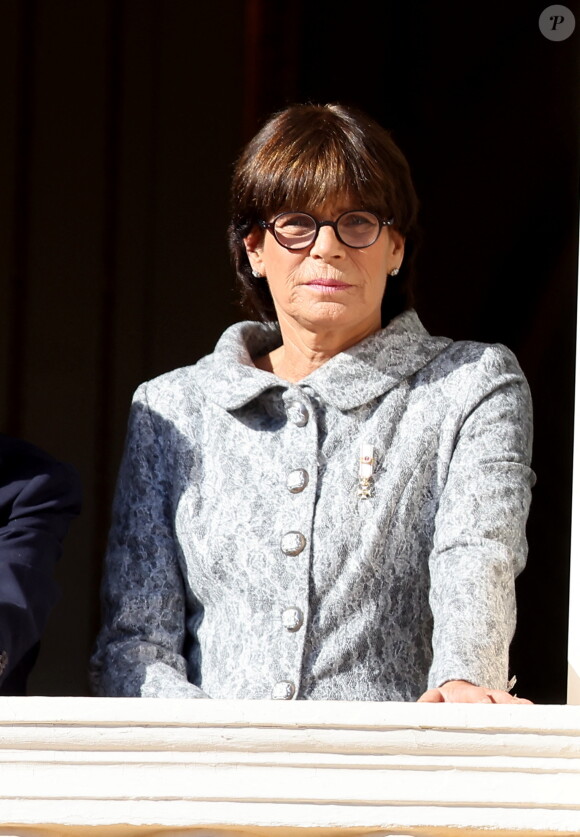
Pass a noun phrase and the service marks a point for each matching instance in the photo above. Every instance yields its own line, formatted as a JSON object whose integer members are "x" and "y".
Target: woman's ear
{"x": 254, "y": 249}
{"x": 396, "y": 252}
{"x": 398, "y": 243}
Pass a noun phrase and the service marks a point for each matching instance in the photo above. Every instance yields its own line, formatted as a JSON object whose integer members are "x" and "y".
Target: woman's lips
{"x": 328, "y": 284}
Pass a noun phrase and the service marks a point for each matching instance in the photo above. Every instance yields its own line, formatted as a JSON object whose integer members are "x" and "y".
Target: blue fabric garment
{"x": 39, "y": 497}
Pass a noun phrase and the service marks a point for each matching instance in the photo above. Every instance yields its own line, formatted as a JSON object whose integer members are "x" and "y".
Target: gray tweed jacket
{"x": 251, "y": 557}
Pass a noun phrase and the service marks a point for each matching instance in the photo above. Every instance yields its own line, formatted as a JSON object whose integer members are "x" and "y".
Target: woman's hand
{"x": 460, "y": 691}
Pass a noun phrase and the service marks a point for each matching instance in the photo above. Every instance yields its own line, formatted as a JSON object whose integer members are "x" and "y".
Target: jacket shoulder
{"x": 485, "y": 358}
{"x": 176, "y": 389}
{"x": 32, "y": 472}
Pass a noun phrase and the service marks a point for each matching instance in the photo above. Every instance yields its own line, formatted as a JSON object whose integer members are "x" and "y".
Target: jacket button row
{"x": 298, "y": 414}
{"x": 292, "y": 543}
{"x": 297, "y": 481}
{"x": 292, "y": 618}
{"x": 284, "y": 690}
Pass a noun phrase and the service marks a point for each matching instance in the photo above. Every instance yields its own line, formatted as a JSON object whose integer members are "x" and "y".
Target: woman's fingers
{"x": 499, "y": 696}
{"x": 431, "y": 696}
{"x": 460, "y": 691}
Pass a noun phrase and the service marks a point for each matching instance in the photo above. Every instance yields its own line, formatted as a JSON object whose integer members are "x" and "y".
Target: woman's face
{"x": 328, "y": 285}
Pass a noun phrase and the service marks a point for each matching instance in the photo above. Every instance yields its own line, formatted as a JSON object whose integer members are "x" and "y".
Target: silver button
{"x": 292, "y": 543}
{"x": 298, "y": 414}
{"x": 284, "y": 690}
{"x": 297, "y": 480}
{"x": 292, "y": 618}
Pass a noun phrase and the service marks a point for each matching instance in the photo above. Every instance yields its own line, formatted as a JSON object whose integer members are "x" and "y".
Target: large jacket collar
{"x": 348, "y": 380}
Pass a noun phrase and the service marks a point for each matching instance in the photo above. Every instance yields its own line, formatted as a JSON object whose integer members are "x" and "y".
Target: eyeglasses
{"x": 298, "y": 230}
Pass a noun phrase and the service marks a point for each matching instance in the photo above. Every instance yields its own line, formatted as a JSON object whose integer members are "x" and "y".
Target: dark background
{"x": 121, "y": 122}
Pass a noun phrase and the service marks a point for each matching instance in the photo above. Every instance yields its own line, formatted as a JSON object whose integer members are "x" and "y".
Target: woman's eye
{"x": 356, "y": 220}
{"x": 294, "y": 225}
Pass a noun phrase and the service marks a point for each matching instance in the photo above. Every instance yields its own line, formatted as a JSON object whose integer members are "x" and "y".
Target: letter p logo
{"x": 556, "y": 23}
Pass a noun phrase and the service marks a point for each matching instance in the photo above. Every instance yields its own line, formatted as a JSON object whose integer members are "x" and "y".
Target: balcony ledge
{"x": 117, "y": 767}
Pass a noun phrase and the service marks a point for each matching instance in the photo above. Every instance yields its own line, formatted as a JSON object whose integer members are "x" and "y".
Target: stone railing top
{"x": 120, "y": 767}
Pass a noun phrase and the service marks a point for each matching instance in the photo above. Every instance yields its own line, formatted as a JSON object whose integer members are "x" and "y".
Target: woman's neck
{"x": 303, "y": 352}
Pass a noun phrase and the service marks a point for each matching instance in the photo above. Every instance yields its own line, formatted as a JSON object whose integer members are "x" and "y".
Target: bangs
{"x": 304, "y": 174}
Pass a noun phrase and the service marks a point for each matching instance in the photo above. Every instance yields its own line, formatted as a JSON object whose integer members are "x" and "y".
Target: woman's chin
{"x": 326, "y": 313}
{"x": 338, "y": 318}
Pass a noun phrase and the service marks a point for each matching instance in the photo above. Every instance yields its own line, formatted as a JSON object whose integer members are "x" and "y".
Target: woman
{"x": 332, "y": 505}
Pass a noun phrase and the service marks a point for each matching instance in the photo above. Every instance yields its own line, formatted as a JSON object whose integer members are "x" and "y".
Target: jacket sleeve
{"x": 39, "y": 497}
{"x": 139, "y": 650}
{"x": 480, "y": 543}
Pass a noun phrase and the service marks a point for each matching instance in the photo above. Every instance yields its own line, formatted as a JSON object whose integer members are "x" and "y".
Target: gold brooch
{"x": 365, "y": 471}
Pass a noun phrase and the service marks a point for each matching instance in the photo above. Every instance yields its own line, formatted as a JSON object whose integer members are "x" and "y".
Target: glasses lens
{"x": 295, "y": 230}
{"x": 359, "y": 229}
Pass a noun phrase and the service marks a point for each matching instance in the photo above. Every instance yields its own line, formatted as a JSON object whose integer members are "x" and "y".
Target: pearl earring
{"x": 394, "y": 271}
{"x": 256, "y": 274}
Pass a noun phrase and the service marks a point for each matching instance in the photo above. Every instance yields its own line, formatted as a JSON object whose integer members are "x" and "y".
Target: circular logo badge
{"x": 557, "y": 23}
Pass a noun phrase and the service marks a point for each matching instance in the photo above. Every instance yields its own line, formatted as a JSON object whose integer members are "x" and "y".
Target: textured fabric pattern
{"x": 243, "y": 564}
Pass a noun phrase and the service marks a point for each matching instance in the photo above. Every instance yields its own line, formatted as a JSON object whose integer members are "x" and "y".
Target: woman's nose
{"x": 327, "y": 244}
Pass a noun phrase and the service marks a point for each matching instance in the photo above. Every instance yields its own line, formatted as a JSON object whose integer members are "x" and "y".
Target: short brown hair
{"x": 301, "y": 156}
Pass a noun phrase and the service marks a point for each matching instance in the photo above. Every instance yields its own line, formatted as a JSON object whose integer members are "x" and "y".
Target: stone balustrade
{"x": 108, "y": 767}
